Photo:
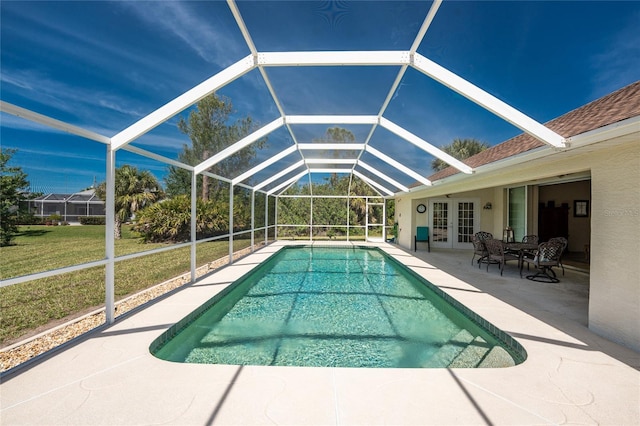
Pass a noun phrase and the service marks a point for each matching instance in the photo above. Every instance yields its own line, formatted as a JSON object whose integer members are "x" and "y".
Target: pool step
{"x": 472, "y": 355}
{"x": 497, "y": 357}
{"x": 450, "y": 350}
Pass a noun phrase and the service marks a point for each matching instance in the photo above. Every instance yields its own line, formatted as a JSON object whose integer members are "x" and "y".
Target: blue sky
{"x": 104, "y": 65}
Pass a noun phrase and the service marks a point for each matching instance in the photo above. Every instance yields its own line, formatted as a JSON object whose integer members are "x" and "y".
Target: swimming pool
{"x": 340, "y": 307}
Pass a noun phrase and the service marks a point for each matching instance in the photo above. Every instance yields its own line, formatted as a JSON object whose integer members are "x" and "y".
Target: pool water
{"x": 339, "y": 307}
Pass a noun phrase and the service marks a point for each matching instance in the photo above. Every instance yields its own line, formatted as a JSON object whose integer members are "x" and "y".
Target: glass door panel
{"x": 440, "y": 223}
{"x": 466, "y": 223}
{"x": 518, "y": 212}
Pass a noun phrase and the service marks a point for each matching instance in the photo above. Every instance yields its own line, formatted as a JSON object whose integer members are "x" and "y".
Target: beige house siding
{"x": 404, "y": 217}
{"x": 614, "y": 299}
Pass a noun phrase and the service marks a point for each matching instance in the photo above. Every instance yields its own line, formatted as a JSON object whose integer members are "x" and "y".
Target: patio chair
{"x": 563, "y": 241}
{"x": 479, "y": 247}
{"x": 529, "y": 239}
{"x": 422, "y": 236}
{"x": 547, "y": 256}
{"x": 497, "y": 254}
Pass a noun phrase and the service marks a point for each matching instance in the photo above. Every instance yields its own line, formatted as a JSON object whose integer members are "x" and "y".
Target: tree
{"x": 134, "y": 190}
{"x": 460, "y": 149}
{"x": 337, "y": 135}
{"x": 207, "y": 127}
{"x": 13, "y": 189}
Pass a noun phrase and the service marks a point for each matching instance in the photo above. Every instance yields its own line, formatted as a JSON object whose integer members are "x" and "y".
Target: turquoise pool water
{"x": 342, "y": 307}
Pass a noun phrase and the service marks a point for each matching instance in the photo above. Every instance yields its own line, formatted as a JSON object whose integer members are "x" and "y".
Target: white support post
{"x": 348, "y": 211}
{"x": 366, "y": 219}
{"x": 253, "y": 219}
{"x": 266, "y": 219}
{"x": 311, "y": 220}
{"x": 275, "y": 216}
{"x": 110, "y": 217}
{"x": 194, "y": 220}
{"x": 230, "y": 224}
{"x": 384, "y": 220}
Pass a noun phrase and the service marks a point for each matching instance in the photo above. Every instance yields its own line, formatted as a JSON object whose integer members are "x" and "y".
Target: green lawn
{"x": 27, "y": 306}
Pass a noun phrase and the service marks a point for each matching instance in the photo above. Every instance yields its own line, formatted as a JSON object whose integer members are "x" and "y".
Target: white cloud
{"x": 77, "y": 101}
{"x": 618, "y": 64}
{"x": 211, "y": 41}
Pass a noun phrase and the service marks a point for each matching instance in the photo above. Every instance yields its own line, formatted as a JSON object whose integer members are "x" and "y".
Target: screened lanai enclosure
{"x": 331, "y": 126}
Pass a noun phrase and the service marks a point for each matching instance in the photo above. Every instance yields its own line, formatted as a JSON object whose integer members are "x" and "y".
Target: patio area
{"x": 571, "y": 375}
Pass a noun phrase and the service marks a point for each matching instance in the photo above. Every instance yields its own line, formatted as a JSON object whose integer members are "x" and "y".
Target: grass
{"x": 32, "y": 305}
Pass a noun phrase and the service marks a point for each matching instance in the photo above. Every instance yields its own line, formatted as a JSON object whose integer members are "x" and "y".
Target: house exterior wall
{"x": 614, "y": 298}
{"x": 405, "y": 219}
{"x": 614, "y": 165}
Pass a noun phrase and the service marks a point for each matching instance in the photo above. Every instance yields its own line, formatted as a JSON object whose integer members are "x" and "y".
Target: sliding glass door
{"x": 518, "y": 211}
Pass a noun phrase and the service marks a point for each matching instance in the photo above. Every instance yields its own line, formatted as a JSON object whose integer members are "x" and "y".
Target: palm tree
{"x": 134, "y": 190}
{"x": 459, "y": 149}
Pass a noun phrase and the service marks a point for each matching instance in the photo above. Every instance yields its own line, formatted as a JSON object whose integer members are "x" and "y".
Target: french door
{"x": 453, "y": 222}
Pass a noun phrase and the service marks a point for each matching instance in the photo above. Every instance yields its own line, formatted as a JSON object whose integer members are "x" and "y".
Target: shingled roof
{"x": 617, "y": 106}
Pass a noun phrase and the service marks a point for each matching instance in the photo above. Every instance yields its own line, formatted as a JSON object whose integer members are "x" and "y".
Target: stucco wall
{"x": 404, "y": 217}
{"x": 614, "y": 299}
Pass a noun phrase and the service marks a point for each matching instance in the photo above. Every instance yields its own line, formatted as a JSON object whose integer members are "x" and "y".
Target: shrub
{"x": 170, "y": 220}
{"x": 92, "y": 220}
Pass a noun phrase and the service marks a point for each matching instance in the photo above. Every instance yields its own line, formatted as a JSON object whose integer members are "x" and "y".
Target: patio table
{"x": 520, "y": 248}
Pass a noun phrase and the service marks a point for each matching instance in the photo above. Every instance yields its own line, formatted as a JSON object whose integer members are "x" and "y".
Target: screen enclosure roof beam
{"x": 242, "y": 143}
{"x": 329, "y": 146}
{"x": 404, "y": 169}
{"x": 334, "y": 58}
{"x": 265, "y": 164}
{"x": 424, "y": 145}
{"x": 382, "y": 176}
{"x": 331, "y": 119}
{"x": 279, "y": 175}
{"x": 487, "y": 101}
{"x": 328, "y": 170}
{"x": 372, "y": 183}
{"x": 183, "y": 101}
{"x": 52, "y": 122}
{"x": 288, "y": 182}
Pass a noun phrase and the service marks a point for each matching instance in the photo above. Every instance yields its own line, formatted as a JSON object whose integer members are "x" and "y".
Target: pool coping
{"x": 571, "y": 375}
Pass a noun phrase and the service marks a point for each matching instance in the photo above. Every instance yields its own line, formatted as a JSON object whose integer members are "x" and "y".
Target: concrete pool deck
{"x": 571, "y": 375}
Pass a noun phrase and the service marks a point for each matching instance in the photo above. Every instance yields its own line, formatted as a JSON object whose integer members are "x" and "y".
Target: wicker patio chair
{"x": 497, "y": 254}
{"x": 479, "y": 248}
{"x": 529, "y": 239}
{"x": 547, "y": 256}
{"x": 563, "y": 241}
